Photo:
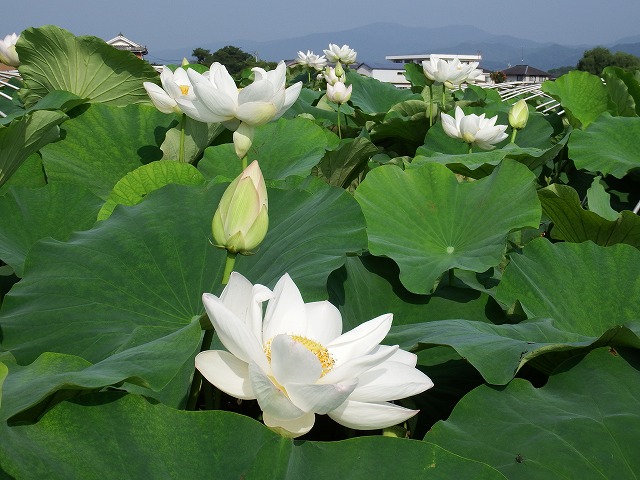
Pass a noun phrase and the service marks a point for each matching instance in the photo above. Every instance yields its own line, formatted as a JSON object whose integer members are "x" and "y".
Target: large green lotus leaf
{"x": 4, "y": 371}
{"x": 197, "y": 136}
{"x": 582, "y": 95}
{"x": 283, "y": 148}
{"x": 429, "y": 223}
{"x": 582, "y": 424}
{"x": 109, "y": 436}
{"x": 29, "y": 174}
{"x": 606, "y": 279}
{"x": 54, "y": 59}
{"x": 151, "y": 365}
{"x": 27, "y": 215}
{"x": 135, "y": 185}
{"x": 148, "y": 265}
{"x": 599, "y": 200}
{"x": 373, "y": 96}
{"x": 572, "y": 223}
{"x": 344, "y": 166}
{"x": 607, "y": 146}
{"x": 499, "y": 351}
{"x": 626, "y": 87}
{"x": 24, "y": 137}
{"x": 368, "y": 286}
{"x": 104, "y": 143}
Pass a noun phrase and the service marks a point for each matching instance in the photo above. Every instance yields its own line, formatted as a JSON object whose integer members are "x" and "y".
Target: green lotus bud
{"x": 339, "y": 70}
{"x": 518, "y": 115}
{"x": 241, "y": 220}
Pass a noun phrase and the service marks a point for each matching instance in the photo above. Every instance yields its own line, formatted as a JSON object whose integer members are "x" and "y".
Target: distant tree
{"x": 498, "y": 76}
{"x": 559, "y": 71}
{"x": 201, "y": 55}
{"x": 596, "y": 59}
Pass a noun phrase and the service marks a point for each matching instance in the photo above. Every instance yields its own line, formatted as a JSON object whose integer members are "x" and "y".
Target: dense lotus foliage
{"x": 511, "y": 273}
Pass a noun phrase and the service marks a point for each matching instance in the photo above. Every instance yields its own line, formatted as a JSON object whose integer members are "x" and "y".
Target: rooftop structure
{"x": 419, "y": 58}
{"x": 123, "y": 43}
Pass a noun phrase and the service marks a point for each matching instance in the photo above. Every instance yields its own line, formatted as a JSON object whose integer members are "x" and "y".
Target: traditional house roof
{"x": 123, "y": 43}
{"x": 526, "y": 70}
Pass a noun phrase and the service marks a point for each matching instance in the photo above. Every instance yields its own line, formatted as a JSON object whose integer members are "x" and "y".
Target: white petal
{"x": 449, "y": 125}
{"x": 159, "y": 97}
{"x": 197, "y": 110}
{"x": 256, "y": 113}
{"x": 361, "y": 340}
{"x": 292, "y": 362}
{"x": 320, "y": 399}
{"x": 370, "y": 416}
{"x": 286, "y": 312}
{"x": 356, "y": 366}
{"x": 258, "y": 91}
{"x": 390, "y": 381}
{"x": 226, "y": 372}
{"x": 290, "y": 428}
{"x": 223, "y": 81}
{"x": 242, "y": 141}
{"x": 245, "y": 300}
{"x": 400, "y": 355}
{"x": 324, "y": 322}
{"x": 291, "y": 95}
{"x": 234, "y": 334}
{"x": 215, "y": 99}
{"x": 271, "y": 399}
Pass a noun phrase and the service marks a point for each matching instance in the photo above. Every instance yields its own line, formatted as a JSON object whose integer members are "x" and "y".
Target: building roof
{"x": 380, "y": 66}
{"x": 123, "y": 43}
{"x": 526, "y": 70}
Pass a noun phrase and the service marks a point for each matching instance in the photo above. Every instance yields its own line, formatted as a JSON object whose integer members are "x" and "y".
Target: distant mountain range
{"x": 373, "y": 42}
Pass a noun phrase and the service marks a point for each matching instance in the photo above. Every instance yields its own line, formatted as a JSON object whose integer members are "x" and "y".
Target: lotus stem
{"x": 339, "y": 130}
{"x": 228, "y": 266}
{"x": 513, "y": 135}
{"x": 243, "y": 162}
{"x": 444, "y": 97}
{"x": 470, "y": 148}
{"x": 430, "y": 105}
{"x": 181, "y": 152}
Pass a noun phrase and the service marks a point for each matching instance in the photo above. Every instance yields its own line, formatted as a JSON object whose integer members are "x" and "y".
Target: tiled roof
{"x": 526, "y": 70}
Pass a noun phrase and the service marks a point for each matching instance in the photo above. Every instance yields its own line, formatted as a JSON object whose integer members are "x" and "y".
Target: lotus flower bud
{"x": 339, "y": 70}
{"x": 339, "y": 92}
{"x": 241, "y": 220}
{"x": 518, "y": 115}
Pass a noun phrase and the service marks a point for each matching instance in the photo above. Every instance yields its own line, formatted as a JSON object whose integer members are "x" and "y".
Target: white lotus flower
{"x": 217, "y": 99}
{"x": 474, "y": 129}
{"x": 312, "y": 60}
{"x": 8, "y": 54}
{"x": 297, "y": 364}
{"x": 338, "y": 92}
{"x": 174, "y": 85}
{"x": 342, "y": 54}
{"x": 450, "y": 72}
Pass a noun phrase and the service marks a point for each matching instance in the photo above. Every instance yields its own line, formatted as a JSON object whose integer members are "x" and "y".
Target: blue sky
{"x": 164, "y": 25}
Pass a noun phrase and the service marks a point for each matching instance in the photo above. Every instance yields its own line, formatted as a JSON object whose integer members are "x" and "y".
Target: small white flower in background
{"x": 331, "y": 77}
{"x": 342, "y": 54}
{"x": 217, "y": 99}
{"x": 450, "y": 72}
{"x": 311, "y": 60}
{"x": 174, "y": 85}
{"x": 8, "y": 54}
{"x": 474, "y": 129}
{"x": 297, "y": 363}
{"x": 241, "y": 220}
{"x": 339, "y": 92}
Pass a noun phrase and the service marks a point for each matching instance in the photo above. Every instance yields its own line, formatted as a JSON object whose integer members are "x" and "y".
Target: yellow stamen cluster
{"x": 321, "y": 353}
{"x": 184, "y": 89}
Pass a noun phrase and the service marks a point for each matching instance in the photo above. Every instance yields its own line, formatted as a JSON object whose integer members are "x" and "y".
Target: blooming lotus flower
{"x": 174, "y": 85}
{"x": 474, "y": 129}
{"x": 217, "y": 99}
{"x": 241, "y": 220}
{"x": 342, "y": 54}
{"x": 8, "y": 54}
{"x": 519, "y": 115}
{"x": 452, "y": 73}
{"x": 297, "y": 362}
{"x": 312, "y": 60}
{"x": 339, "y": 92}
